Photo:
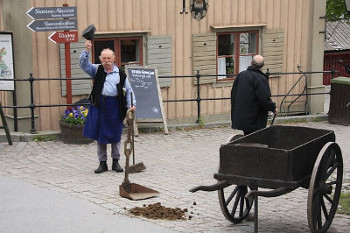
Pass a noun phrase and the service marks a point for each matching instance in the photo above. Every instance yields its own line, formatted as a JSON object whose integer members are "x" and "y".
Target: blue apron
{"x": 103, "y": 124}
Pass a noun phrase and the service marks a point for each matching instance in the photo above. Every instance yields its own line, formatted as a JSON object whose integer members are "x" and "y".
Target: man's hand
{"x": 88, "y": 46}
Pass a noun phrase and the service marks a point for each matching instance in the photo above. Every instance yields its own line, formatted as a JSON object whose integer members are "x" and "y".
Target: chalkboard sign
{"x": 144, "y": 82}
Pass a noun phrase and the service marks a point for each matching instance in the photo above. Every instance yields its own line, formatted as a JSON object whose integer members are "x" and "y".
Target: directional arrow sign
{"x": 52, "y": 12}
{"x": 64, "y": 37}
{"x": 53, "y": 25}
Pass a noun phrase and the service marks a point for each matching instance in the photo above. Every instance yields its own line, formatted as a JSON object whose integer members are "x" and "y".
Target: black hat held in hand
{"x": 89, "y": 32}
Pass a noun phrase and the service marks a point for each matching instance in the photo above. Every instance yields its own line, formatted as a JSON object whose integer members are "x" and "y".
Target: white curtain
{"x": 244, "y": 62}
{"x": 221, "y": 67}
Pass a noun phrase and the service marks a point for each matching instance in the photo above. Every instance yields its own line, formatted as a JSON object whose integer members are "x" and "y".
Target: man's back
{"x": 251, "y": 101}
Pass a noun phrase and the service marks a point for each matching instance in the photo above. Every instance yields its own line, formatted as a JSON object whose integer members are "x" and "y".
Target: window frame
{"x": 236, "y": 55}
{"x": 117, "y": 49}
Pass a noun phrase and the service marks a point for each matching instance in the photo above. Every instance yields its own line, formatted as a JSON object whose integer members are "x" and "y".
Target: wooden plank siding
{"x": 3, "y": 96}
{"x": 1, "y": 17}
{"x": 163, "y": 18}
{"x": 159, "y": 56}
{"x": 80, "y": 86}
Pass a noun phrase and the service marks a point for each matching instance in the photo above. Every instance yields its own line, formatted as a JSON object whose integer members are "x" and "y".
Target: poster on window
{"x": 6, "y": 62}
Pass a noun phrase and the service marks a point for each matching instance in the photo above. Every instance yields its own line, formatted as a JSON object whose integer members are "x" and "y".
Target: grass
{"x": 44, "y": 138}
{"x": 344, "y": 204}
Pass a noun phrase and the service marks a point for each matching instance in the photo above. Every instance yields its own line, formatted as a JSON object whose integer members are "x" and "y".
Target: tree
{"x": 336, "y": 10}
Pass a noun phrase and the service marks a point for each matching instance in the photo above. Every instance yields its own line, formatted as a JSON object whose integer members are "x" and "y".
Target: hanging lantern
{"x": 199, "y": 8}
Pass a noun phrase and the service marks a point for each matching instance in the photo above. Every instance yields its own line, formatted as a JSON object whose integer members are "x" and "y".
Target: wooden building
{"x": 337, "y": 50}
{"x": 161, "y": 33}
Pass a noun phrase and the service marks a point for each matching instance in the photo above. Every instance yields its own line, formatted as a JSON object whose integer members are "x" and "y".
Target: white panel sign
{"x": 6, "y": 62}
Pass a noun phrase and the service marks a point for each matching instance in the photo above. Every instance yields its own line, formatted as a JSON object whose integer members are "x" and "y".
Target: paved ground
{"x": 175, "y": 163}
{"x": 28, "y": 208}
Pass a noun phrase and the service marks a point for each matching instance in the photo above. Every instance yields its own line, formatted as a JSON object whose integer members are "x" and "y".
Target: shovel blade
{"x": 136, "y": 192}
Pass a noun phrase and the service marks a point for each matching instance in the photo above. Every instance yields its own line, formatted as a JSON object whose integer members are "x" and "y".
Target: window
{"x": 234, "y": 52}
{"x": 128, "y": 50}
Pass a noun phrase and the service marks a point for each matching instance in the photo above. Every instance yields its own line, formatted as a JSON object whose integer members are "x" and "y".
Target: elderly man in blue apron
{"x": 109, "y": 100}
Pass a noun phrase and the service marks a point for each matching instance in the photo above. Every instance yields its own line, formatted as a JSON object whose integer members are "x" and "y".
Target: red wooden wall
{"x": 335, "y": 61}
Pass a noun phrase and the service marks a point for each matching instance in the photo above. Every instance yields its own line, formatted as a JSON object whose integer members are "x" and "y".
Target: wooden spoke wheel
{"x": 325, "y": 188}
{"x": 233, "y": 204}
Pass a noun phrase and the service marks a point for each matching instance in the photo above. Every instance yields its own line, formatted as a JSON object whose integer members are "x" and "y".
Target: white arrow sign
{"x": 52, "y": 12}
{"x": 53, "y": 25}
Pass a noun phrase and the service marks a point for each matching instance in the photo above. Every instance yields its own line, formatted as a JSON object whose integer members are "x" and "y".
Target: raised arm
{"x": 84, "y": 62}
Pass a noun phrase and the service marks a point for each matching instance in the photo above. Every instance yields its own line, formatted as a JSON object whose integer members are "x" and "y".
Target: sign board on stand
{"x": 144, "y": 82}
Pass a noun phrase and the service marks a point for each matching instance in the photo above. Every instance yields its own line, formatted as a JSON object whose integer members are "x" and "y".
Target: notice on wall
{"x": 6, "y": 62}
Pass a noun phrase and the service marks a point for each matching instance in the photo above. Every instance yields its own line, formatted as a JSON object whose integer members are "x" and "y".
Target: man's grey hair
{"x": 258, "y": 63}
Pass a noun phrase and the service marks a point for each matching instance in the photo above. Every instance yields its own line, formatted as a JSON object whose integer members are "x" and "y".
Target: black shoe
{"x": 116, "y": 167}
{"x": 102, "y": 167}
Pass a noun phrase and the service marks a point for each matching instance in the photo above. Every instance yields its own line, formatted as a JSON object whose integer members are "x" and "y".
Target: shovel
{"x": 139, "y": 167}
{"x": 127, "y": 189}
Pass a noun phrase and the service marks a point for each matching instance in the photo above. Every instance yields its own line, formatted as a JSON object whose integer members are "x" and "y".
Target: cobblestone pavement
{"x": 175, "y": 163}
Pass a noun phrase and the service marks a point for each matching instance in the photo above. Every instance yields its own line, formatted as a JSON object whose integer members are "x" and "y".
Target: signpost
{"x": 64, "y": 37}
{"x": 52, "y": 12}
{"x": 43, "y": 25}
{"x": 57, "y": 19}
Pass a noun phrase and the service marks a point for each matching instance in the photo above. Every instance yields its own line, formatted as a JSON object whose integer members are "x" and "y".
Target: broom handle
{"x": 132, "y": 134}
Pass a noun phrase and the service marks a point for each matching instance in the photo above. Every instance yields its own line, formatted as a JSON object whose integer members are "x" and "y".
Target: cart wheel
{"x": 232, "y": 202}
{"x": 325, "y": 188}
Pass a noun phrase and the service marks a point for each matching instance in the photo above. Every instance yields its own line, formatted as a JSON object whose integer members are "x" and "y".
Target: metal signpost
{"x": 57, "y": 19}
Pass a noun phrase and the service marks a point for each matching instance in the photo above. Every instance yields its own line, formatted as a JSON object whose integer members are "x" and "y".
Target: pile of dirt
{"x": 157, "y": 211}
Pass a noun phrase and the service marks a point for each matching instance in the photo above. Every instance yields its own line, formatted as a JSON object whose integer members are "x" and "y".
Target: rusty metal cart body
{"x": 280, "y": 159}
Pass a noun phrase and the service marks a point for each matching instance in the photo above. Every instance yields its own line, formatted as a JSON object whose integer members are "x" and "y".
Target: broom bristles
{"x": 139, "y": 167}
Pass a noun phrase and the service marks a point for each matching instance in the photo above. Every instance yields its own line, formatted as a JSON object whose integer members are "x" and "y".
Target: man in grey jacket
{"x": 251, "y": 98}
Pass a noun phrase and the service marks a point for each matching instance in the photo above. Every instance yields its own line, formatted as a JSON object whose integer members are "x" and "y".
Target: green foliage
{"x": 336, "y": 9}
{"x": 44, "y": 138}
{"x": 76, "y": 115}
{"x": 201, "y": 123}
{"x": 344, "y": 204}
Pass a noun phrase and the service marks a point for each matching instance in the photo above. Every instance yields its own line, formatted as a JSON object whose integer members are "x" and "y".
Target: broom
{"x": 139, "y": 167}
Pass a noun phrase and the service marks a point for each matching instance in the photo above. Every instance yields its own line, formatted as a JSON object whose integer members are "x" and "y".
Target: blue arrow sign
{"x": 53, "y": 25}
{"x": 52, "y": 12}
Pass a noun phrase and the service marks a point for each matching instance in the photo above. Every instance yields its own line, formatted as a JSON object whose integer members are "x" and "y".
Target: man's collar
{"x": 115, "y": 69}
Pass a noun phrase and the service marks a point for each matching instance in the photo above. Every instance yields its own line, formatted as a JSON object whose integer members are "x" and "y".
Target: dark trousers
{"x": 102, "y": 151}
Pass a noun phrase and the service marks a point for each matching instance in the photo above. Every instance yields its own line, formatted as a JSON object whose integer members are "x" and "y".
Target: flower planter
{"x": 73, "y": 134}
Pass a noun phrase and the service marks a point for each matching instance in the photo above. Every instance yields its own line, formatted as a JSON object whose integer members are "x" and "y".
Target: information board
{"x": 149, "y": 104}
{"x": 7, "y": 71}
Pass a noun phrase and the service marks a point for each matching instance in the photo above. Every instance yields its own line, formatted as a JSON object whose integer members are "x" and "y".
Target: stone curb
{"x": 56, "y": 135}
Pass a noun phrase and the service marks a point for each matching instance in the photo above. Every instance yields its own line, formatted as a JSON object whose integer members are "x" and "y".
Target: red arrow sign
{"x": 64, "y": 37}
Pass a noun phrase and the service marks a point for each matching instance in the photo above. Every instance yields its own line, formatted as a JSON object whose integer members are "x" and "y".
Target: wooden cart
{"x": 280, "y": 159}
